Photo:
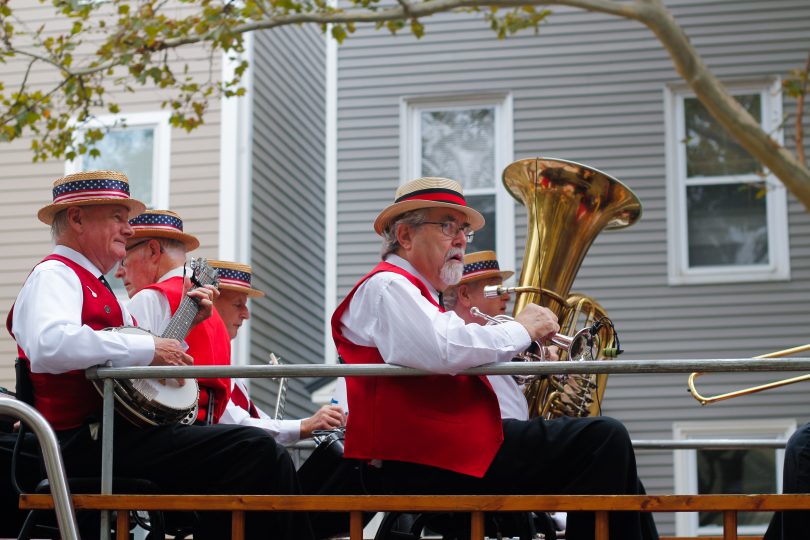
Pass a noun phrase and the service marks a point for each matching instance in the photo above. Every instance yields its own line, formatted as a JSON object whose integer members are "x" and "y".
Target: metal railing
{"x": 52, "y": 457}
{"x": 108, "y": 374}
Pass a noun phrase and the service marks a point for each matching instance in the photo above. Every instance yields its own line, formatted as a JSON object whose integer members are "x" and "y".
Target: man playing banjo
{"x": 57, "y": 322}
{"x": 153, "y": 271}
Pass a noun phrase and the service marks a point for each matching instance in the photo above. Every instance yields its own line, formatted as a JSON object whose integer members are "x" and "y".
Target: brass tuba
{"x": 568, "y": 205}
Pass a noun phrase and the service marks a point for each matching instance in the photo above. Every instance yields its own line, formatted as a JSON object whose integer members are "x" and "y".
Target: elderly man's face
{"x": 139, "y": 266}
{"x": 232, "y": 307}
{"x": 491, "y": 306}
{"x": 104, "y": 232}
{"x": 433, "y": 254}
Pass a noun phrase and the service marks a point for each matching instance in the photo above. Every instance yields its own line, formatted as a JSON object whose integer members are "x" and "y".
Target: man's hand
{"x": 169, "y": 352}
{"x": 205, "y": 297}
{"x": 539, "y": 322}
{"x": 327, "y": 417}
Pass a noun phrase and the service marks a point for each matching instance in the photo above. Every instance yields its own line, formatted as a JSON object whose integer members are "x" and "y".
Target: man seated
{"x": 154, "y": 273}
{"x": 444, "y": 434}
{"x": 232, "y": 305}
{"x": 58, "y": 321}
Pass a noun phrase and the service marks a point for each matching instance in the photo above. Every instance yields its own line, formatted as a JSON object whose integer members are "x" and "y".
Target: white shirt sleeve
{"x": 388, "y": 312}
{"x": 47, "y": 325}
{"x": 151, "y": 310}
{"x": 285, "y": 432}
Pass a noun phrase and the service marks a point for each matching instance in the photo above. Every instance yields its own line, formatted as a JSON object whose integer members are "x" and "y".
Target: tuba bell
{"x": 568, "y": 205}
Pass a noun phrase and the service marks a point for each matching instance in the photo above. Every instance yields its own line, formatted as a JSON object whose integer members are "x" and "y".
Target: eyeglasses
{"x": 130, "y": 248}
{"x": 451, "y": 228}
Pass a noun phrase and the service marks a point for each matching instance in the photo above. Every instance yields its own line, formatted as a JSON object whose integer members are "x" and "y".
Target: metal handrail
{"x": 108, "y": 374}
{"x": 55, "y": 469}
{"x": 504, "y": 368}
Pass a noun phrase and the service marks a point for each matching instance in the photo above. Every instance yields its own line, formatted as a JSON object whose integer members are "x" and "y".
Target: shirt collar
{"x": 396, "y": 260}
{"x": 78, "y": 258}
{"x": 174, "y": 272}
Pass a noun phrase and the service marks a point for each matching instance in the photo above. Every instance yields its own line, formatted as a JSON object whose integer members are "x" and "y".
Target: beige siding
{"x": 26, "y": 186}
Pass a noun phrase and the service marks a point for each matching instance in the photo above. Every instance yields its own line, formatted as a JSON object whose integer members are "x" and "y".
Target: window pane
{"x": 710, "y": 151}
{"x": 727, "y": 225}
{"x": 736, "y": 471}
{"x": 460, "y": 144}
{"x": 130, "y": 151}
{"x": 484, "y": 238}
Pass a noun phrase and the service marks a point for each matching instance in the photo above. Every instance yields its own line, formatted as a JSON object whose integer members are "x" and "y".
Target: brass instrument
{"x": 753, "y": 389}
{"x": 568, "y": 205}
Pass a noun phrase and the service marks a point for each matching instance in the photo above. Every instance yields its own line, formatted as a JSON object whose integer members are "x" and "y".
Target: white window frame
{"x": 159, "y": 120}
{"x": 685, "y": 461}
{"x": 411, "y": 155}
{"x": 679, "y": 272}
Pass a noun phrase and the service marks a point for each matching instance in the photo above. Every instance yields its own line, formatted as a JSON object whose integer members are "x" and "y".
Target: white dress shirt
{"x": 285, "y": 432}
{"x": 388, "y": 312}
{"x": 151, "y": 308}
{"x": 47, "y": 323}
{"x": 152, "y": 311}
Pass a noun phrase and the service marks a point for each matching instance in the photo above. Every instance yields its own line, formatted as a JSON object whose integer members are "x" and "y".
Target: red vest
{"x": 450, "y": 422}
{"x": 209, "y": 344}
{"x": 67, "y": 399}
{"x": 240, "y": 398}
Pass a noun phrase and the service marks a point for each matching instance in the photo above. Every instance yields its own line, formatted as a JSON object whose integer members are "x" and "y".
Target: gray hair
{"x": 170, "y": 245}
{"x": 390, "y": 243}
{"x": 58, "y": 225}
{"x": 450, "y": 297}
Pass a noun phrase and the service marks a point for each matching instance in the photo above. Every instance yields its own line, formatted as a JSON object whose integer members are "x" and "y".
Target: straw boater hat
{"x": 90, "y": 188}
{"x": 480, "y": 265}
{"x": 428, "y": 192}
{"x": 162, "y": 224}
{"x": 235, "y": 277}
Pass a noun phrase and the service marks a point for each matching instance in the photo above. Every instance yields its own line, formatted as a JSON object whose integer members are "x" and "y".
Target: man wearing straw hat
{"x": 445, "y": 434}
{"x": 154, "y": 271}
{"x": 57, "y": 322}
{"x": 232, "y": 305}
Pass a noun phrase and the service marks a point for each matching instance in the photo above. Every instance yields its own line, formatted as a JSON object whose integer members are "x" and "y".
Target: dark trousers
{"x": 220, "y": 459}
{"x": 563, "y": 456}
{"x": 794, "y": 525}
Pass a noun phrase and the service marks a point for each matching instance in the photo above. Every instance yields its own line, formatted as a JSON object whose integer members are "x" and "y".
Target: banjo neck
{"x": 180, "y": 323}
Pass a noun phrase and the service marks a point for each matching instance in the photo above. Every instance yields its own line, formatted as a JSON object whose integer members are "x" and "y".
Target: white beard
{"x": 451, "y": 272}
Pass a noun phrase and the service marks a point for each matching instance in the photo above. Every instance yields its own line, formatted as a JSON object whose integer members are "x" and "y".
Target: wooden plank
{"x": 729, "y": 525}
{"x": 428, "y": 503}
{"x": 356, "y": 526}
{"x": 238, "y": 525}
{"x": 601, "y": 531}
{"x": 477, "y": 526}
{"x": 122, "y": 525}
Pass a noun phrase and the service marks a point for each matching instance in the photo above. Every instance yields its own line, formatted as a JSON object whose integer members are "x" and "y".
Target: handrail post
{"x": 356, "y": 525}
{"x": 107, "y": 420}
{"x": 65, "y": 515}
{"x": 601, "y": 530}
{"x": 730, "y": 525}
{"x": 477, "y": 526}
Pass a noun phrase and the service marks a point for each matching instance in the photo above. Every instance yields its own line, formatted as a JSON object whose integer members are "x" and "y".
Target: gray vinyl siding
{"x": 288, "y": 205}
{"x": 590, "y": 88}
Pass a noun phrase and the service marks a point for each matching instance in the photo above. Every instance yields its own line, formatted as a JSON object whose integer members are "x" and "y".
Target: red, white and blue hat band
{"x": 436, "y": 195}
{"x": 228, "y": 276}
{"x": 479, "y": 267}
{"x": 161, "y": 221}
{"x": 79, "y": 190}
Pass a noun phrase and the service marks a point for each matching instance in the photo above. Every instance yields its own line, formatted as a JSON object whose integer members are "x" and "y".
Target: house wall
{"x": 26, "y": 186}
{"x": 590, "y": 88}
{"x": 288, "y": 205}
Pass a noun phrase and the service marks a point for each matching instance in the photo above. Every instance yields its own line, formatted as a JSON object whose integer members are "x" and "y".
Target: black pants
{"x": 563, "y": 456}
{"x": 794, "y": 525}
{"x": 220, "y": 459}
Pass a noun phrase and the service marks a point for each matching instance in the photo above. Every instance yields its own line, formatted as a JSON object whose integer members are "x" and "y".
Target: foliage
{"x": 126, "y": 45}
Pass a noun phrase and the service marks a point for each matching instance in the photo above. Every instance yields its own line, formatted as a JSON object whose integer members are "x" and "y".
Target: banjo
{"x": 155, "y": 402}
